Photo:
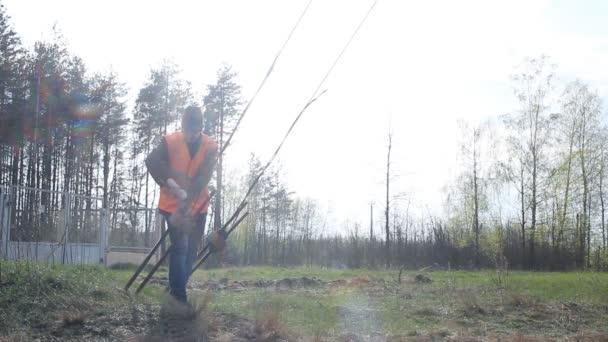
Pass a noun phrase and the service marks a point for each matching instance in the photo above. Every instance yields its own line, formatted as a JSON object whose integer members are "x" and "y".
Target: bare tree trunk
{"x": 588, "y": 221}
{"x": 584, "y": 219}
{"x": 17, "y": 155}
{"x": 533, "y": 207}
{"x": 553, "y": 222}
{"x": 386, "y": 225}
{"x": 276, "y": 244}
{"x": 246, "y": 245}
{"x": 106, "y": 172}
{"x": 523, "y": 215}
{"x": 220, "y": 162}
{"x": 476, "y": 197}
{"x": 370, "y": 248}
{"x": 371, "y": 221}
{"x": 147, "y": 226}
{"x": 603, "y": 208}
{"x": 534, "y": 204}
{"x": 562, "y": 221}
{"x": 264, "y": 259}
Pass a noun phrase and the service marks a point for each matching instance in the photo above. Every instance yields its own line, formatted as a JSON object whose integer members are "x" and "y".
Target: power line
{"x": 270, "y": 70}
{"x": 315, "y": 96}
{"x": 226, "y": 144}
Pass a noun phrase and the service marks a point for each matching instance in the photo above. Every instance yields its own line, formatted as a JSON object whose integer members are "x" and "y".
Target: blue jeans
{"x": 184, "y": 249}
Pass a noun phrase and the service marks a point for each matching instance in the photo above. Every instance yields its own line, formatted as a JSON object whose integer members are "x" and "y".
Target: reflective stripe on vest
{"x": 181, "y": 162}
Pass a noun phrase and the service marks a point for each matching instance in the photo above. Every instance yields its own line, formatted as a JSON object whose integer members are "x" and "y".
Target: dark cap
{"x": 193, "y": 118}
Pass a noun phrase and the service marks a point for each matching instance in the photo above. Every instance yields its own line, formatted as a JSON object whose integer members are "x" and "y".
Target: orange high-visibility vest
{"x": 180, "y": 161}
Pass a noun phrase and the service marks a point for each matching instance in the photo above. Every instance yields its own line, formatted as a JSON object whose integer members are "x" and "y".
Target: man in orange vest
{"x": 182, "y": 165}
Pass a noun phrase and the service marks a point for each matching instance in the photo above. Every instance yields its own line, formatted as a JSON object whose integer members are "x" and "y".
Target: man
{"x": 182, "y": 165}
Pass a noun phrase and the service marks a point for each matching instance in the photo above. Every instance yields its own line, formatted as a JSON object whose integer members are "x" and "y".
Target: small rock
{"x": 421, "y": 278}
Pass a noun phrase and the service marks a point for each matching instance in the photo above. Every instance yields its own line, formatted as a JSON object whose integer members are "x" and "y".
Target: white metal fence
{"x": 57, "y": 227}
{"x": 133, "y": 231}
{"x": 52, "y": 226}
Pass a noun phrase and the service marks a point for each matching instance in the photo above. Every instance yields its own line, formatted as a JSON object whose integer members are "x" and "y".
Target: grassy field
{"x": 262, "y": 303}
{"x": 456, "y": 303}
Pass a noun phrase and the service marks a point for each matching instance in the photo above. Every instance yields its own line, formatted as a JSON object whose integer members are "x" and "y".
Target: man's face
{"x": 191, "y": 133}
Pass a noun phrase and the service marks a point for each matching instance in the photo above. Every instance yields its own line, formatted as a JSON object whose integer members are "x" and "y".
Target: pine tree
{"x": 108, "y": 97}
{"x": 157, "y": 108}
{"x": 222, "y": 104}
{"x": 11, "y": 98}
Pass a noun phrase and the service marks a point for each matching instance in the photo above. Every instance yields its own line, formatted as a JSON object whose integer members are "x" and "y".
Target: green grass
{"x": 589, "y": 287}
{"x": 456, "y": 300}
{"x": 302, "y": 312}
{"x": 267, "y": 272}
{"x": 34, "y": 296}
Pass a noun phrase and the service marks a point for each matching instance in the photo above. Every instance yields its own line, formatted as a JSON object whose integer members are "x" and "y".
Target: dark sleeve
{"x": 157, "y": 163}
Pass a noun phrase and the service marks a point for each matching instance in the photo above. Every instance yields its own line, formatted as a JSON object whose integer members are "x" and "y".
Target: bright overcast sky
{"x": 420, "y": 65}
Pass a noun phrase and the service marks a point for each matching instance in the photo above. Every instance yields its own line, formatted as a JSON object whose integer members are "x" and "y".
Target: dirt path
{"x": 359, "y": 319}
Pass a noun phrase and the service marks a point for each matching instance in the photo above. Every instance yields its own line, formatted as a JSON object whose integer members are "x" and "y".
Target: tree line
{"x": 530, "y": 192}
{"x": 67, "y": 130}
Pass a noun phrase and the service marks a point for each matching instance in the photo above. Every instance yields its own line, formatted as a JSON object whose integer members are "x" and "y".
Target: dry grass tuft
{"x": 72, "y": 318}
{"x": 473, "y": 310}
{"x": 18, "y": 337}
{"x": 426, "y": 312}
{"x": 526, "y": 338}
{"x": 182, "y": 322}
{"x": 471, "y": 305}
{"x": 588, "y": 337}
{"x": 522, "y": 301}
{"x": 268, "y": 327}
{"x": 440, "y": 333}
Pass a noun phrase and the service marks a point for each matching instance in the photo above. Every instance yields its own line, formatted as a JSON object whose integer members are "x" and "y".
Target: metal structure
{"x": 133, "y": 227}
{"x": 132, "y": 232}
{"x": 52, "y": 226}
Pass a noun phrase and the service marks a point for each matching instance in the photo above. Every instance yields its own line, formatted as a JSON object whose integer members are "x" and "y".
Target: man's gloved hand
{"x": 218, "y": 240}
{"x": 176, "y": 190}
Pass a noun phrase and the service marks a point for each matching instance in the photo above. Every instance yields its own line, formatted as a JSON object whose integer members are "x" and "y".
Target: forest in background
{"x": 65, "y": 129}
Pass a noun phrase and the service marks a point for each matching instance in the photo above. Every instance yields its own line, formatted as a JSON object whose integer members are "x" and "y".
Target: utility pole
{"x": 476, "y": 134}
{"x": 371, "y": 221}
{"x": 370, "y": 244}
{"x": 386, "y": 227}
